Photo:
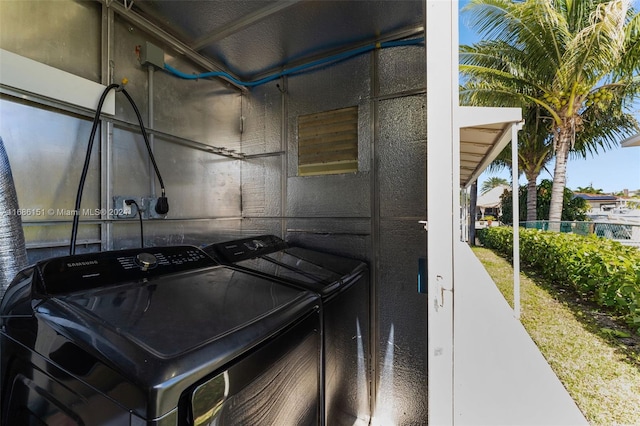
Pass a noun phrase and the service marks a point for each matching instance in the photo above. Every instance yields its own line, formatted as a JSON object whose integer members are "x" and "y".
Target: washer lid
{"x": 174, "y": 315}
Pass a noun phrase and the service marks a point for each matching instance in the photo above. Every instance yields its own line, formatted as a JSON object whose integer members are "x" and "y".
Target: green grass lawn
{"x": 596, "y": 357}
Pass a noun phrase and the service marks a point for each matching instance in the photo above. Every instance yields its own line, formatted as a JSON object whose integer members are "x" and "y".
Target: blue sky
{"x": 613, "y": 170}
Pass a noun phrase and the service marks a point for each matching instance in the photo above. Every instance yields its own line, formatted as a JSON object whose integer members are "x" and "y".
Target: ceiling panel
{"x": 253, "y": 37}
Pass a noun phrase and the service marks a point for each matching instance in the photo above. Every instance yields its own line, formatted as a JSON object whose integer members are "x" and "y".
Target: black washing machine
{"x": 343, "y": 284}
{"x": 158, "y": 336}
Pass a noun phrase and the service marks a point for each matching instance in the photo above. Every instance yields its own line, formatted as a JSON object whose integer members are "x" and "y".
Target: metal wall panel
{"x": 48, "y": 147}
{"x": 261, "y": 189}
{"x": 402, "y": 69}
{"x": 401, "y": 178}
{"x": 338, "y": 86}
{"x": 403, "y": 118}
{"x": 350, "y": 238}
{"x": 47, "y": 150}
{"x": 130, "y": 170}
{"x": 47, "y": 31}
{"x": 57, "y": 235}
{"x": 338, "y": 225}
{"x": 343, "y": 195}
{"x": 263, "y": 177}
{"x": 317, "y": 205}
{"x": 126, "y": 65}
{"x": 42, "y": 249}
{"x": 126, "y": 234}
{"x": 206, "y": 111}
{"x": 402, "y": 322}
{"x": 260, "y": 226}
{"x": 198, "y": 184}
{"x": 402, "y": 149}
{"x": 262, "y": 120}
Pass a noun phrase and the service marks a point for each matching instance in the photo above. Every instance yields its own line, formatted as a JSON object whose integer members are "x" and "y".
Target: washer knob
{"x": 146, "y": 261}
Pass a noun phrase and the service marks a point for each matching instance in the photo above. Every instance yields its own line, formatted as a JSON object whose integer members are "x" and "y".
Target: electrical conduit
{"x": 299, "y": 68}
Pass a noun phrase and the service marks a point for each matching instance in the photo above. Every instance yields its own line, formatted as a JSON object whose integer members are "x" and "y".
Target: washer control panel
{"x": 247, "y": 248}
{"x": 93, "y": 270}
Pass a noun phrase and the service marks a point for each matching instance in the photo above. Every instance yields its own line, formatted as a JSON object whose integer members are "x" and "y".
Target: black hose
{"x": 85, "y": 169}
{"x": 129, "y": 202}
{"x": 162, "y": 205}
{"x": 146, "y": 139}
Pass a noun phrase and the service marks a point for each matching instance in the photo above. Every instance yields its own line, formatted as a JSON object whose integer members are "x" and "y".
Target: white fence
{"x": 625, "y": 233}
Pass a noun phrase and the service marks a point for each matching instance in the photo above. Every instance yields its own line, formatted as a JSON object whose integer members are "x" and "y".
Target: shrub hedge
{"x": 601, "y": 269}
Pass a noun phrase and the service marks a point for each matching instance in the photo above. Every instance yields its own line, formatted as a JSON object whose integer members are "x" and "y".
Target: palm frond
{"x": 630, "y": 62}
{"x": 497, "y": 54}
{"x": 603, "y": 131}
{"x": 523, "y": 25}
{"x": 597, "y": 48}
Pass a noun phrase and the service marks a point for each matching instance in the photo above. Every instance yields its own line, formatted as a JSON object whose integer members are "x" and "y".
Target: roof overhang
{"x": 632, "y": 141}
{"x": 484, "y": 133}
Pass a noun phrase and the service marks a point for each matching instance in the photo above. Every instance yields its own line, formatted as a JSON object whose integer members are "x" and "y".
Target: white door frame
{"x": 443, "y": 202}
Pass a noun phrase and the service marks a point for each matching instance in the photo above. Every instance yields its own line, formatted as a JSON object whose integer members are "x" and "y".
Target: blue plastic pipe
{"x": 299, "y": 68}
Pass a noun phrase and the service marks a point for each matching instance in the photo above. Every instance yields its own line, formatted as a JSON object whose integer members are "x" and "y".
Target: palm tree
{"x": 589, "y": 190}
{"x": 534, "y": 152}
{"x": 577, "y": 60}
{"x": 492, "y": 182}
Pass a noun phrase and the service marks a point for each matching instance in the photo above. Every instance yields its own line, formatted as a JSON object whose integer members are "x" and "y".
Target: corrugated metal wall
{"x": 370, "y": 215}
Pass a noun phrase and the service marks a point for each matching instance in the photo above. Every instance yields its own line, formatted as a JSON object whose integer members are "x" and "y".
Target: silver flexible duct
{"x": 13, "y": 252}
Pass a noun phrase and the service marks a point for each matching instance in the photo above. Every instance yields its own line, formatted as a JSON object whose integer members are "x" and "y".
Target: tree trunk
{"x": 559, "y": 178}
{"x": 532, "y": 199}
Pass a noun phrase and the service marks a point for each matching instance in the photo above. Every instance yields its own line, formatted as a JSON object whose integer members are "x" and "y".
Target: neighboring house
{"x": 598, "y": 202}
{"x": 490, "y": 203}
